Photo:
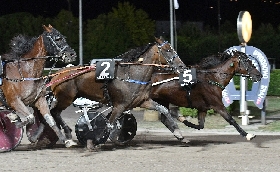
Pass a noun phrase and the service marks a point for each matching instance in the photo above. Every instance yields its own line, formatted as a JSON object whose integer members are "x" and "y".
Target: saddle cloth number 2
{"x": 105, "y": 69}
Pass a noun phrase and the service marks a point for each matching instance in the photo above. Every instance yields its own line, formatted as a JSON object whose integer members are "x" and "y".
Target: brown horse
{"x": 213, "y": 75}
{"x": 130, "y": 88}
{"x": 23, "y": 83}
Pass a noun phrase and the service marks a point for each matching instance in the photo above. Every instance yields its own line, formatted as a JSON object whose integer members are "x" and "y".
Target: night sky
{"x": 189, "y": 10}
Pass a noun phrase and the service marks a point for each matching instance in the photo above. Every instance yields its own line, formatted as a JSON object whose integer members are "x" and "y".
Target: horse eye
{"x": 57, "y": 38}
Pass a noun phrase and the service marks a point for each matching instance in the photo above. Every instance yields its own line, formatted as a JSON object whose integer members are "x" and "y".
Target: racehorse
{"x": 213, "y": 75}
{"x": 23, "y": 81}
{"x": 130, "y": 88}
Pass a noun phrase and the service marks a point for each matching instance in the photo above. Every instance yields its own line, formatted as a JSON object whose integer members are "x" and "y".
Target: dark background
{"x": 189, "y": 10}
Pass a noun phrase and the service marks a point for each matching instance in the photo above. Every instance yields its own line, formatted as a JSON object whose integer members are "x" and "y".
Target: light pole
{"x": 219, "y": 24}
{"x": 171, "y": 23}
{"x": 80, "y": 33}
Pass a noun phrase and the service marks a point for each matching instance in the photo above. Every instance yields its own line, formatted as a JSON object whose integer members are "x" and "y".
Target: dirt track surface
{"x": 153, "y": 150}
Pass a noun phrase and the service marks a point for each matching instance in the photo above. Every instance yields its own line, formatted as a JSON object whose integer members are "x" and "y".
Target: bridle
{"x": 60, "y": 49}
{"x": 55, "y": 43}
{"x": 164, "y": 53}
{"x": 243, "y": 60}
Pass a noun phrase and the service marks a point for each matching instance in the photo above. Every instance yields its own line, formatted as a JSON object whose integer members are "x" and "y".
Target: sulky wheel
{"x": 10, "y": 135}
{"x": 124, "y": 130}
{"x": 99, "y": 131}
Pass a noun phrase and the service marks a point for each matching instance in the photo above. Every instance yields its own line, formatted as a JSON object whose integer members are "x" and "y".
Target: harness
{"x": 51, "y": 46}
{"x": 242, "y": 59}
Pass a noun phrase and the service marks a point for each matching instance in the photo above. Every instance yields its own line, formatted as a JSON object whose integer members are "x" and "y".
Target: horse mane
{"x": 214, "y": 60}
{"x": 19, "y": 45}
{"x": 134, "y": 54}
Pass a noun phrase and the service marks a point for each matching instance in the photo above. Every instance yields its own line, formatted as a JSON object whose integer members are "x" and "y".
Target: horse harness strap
{"x": 85, "y": 69}
{"x": 134, "y": 81}
{"x": 164, "y": 81}
{"x": 217, "y": 84}
{"x": 157, "y": 65}
{"x": 188, "y": 88}
{"x": 22, "y": 78}
{"x": 106, "y": 92}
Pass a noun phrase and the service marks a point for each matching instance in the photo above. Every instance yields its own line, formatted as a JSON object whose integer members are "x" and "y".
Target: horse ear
{"x": 48, "y": 29}
{"x": 158, "y": 40}
{"x": 50, "y": 26}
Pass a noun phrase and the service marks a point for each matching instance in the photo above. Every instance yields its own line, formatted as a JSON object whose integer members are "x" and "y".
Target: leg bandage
{"x": 49, "y": 119}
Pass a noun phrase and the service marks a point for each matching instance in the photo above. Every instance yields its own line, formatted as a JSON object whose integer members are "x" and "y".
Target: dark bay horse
{"x": 23, "y": 81}
{"x": 213, "y": 75}
{"x": 130, "y": 88}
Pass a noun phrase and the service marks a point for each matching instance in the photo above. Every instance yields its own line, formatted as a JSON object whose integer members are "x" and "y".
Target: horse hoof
{"x": 90, "y": 145}
{"x": 181, "y": 118}
{"x": 250, "y": 136}
{"x": 13, "y": 117}
{"x": 33, "y": 139}
{"x": 20, "y": 124}
{"x": 70, "y": 143}
{"x": 184, "y": 140}
{"x": 177, "y": 133}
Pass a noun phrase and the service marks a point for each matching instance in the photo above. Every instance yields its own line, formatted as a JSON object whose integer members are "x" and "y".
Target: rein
{"x": 177, "y": 78}
{"x": 27, "y": 59}
{"x": 157, "y": 65}
{"x": 22, "y": 78}
{"x": 164, "y": 81}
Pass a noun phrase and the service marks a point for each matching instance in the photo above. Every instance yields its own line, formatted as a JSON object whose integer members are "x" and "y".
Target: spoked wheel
{"x": 48, "y": 137}
{"x": 10, "y": 135}
{"x": 96, "y": 129}
{"x": 124, "y": 130}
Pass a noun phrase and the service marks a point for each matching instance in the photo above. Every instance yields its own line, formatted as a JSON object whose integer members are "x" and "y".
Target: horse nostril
{"x": 180, "y": 66}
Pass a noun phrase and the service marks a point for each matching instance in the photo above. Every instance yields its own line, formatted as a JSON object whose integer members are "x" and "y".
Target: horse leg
{"x": 167, "y": 122}
{"x": 63, "y": 101}
{"x": 55, "y": 112}
{"x": 166, "y": 118}
{"x": 201, "y": 119}
{"x": 39, "y": 131}
{"x": 34, "y": 132}
{"x": 116, "y": 112}
{"x": 20, "y": 107}
{"x": 223, "y": 112}
{"x": 42, "y": 105}
{"x": 61, "y": 123}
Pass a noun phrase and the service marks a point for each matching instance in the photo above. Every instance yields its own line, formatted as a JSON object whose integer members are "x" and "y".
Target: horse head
{"x": 245, "y": 67}
{"x": 56, "y": 44}
{"x": 169, "y": 55}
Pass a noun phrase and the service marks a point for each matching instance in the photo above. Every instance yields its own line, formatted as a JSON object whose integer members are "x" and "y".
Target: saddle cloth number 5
{"x": 187, "y": 77}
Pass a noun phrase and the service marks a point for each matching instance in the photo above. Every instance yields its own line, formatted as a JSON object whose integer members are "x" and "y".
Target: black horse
{"x": 213, "y": 75}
